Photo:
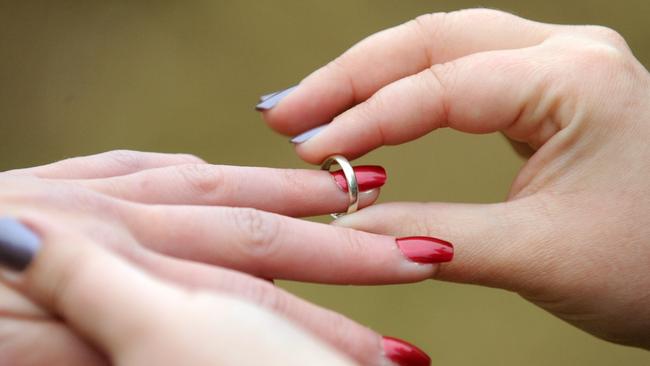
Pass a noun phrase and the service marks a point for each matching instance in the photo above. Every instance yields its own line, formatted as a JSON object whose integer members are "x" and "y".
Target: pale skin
{"x": 170, "y": 216}
{"x": 572, "y": 236}
{"x": 134, "y": 318}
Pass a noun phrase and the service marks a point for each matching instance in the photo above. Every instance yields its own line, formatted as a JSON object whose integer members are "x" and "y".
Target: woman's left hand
{"x": 172, "y": 216}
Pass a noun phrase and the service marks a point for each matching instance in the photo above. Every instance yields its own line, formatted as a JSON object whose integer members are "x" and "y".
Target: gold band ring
{"x": 350, "y": 178}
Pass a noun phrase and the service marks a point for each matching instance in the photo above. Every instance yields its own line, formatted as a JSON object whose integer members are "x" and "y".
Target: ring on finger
{"x": 351, "y": 180}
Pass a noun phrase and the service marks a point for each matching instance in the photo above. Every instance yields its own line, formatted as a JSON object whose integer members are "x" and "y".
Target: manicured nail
{"x": 267, "y": 96}
{"x": 423, "y": 249}
{"x": 369, "y": 177}
{"x": 403, "y": 353}
{"x": 307, "y": 135}
{"x": 269, "y": 101}
{"x": 18, "y": 244}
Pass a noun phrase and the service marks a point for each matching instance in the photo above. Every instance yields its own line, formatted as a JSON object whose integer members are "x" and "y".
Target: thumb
{"x": 101, "y": 296}
{"x": 498, "y": 245}
{"x": 135, "y": 318}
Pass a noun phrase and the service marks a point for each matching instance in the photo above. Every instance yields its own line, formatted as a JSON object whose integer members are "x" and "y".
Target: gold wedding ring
{"x": 350, "y": 178}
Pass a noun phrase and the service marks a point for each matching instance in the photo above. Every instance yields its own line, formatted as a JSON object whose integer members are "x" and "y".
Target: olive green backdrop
{"x": 79, "y": 77}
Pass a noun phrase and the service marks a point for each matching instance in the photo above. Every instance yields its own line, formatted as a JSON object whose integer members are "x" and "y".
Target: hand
{"x": 169, "y": 215}
{"x": 137, "y": 319}
{"x": 573, "y": 234}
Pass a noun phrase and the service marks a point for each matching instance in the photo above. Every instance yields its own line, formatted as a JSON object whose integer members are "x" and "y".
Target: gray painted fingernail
{"x": 18, "y": 244}
{"x": 307, "y": 135}
{"x": 269, "y": 101}
{"x": 267, "y": 96}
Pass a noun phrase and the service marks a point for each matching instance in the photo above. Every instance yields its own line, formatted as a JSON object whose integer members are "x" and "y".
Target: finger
{"x": 123, "y": 319}
{"x": 108, "y": 164}
{"x": 57, "y": 345}
{"x": 287, "y": 191}
{"x": 394, "y": 54}
{"x": 353, "y": 339}
{"x": 480, "y": 93}
{"x": 521, "y": 148}
{"x": 13, "y": 304}
{"x": 268, "y": 245}
{"x": 24, "y": 324}
{"x": 64, "y": 277}
{"x": 497, "y": 245}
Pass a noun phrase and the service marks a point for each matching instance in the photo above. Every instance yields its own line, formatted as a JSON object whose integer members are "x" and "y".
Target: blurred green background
{"x": 79, "y": 77}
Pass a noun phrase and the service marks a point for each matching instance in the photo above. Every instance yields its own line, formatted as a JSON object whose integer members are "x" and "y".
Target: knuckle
{"x": 601, "y": 56}
{"x": 436, "y": 82}
{"x": 342, "y": 329}
{"x": 203, "y": 179}
{"x": 439, "y": 20}
{"x": 267, "y": 296}
{"x": 596, "y": 46}
{"x": 126, "y": 158}
{"x": 583, "y": 54}
{"x": 258, "y": 231}
{"x": 370, "y": 112}
{"x": 355, "y": 243}
{"x": 338, "y": 68}
{"x": 370, "y": 108}
{"x": 293, "y": 181}
{"x": 191, "y": 159}
{"x": 608, "y": 35}
{"x": 60, "y": 197}
{"x": 481, "y": 14}
{"x": 424, "y": 21}
{"x": 430, "y": 27}
{"x": 72, "y": 281}
{"x": 424, "y": 26}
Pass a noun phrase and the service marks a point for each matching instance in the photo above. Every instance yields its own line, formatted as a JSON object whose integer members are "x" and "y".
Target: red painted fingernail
{"x": 368, "y": 177}
{"x": 404, "y": 353}
{"x": 423, "y": 249}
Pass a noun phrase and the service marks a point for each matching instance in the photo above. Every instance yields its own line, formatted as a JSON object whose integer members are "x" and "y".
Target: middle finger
{"x": 273, "y": 246}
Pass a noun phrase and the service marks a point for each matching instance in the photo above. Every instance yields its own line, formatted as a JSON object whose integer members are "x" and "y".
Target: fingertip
{"x": 276, "y": 109}
{"x": 320, "y": 145}
{"x": 278, "y": 120}
{"x": 369, "y": 197}
{"x": 351, "y": 221}
{"x": 294, "y": 110}
{"x": 271, "y": 100}
{"x": 19, "y": 244}
{"x": 314, "y": 101}
{"x": 309, "y": 155}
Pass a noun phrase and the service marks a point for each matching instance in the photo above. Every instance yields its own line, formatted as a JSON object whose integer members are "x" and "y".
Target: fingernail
{"x": 369, "y": 177}
{"x": 307, "y": 135}
{"x": 423, "y": 249}
{"x": 403, "y": 353}
{"x": 267, "y": 96}
{"x": 269, "y": 101}
{"x": 18, "y": 244}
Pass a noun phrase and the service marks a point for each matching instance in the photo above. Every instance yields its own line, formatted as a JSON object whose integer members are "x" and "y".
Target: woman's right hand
{"x": 572, "y": 236}
{"x": 201, "y": 226}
